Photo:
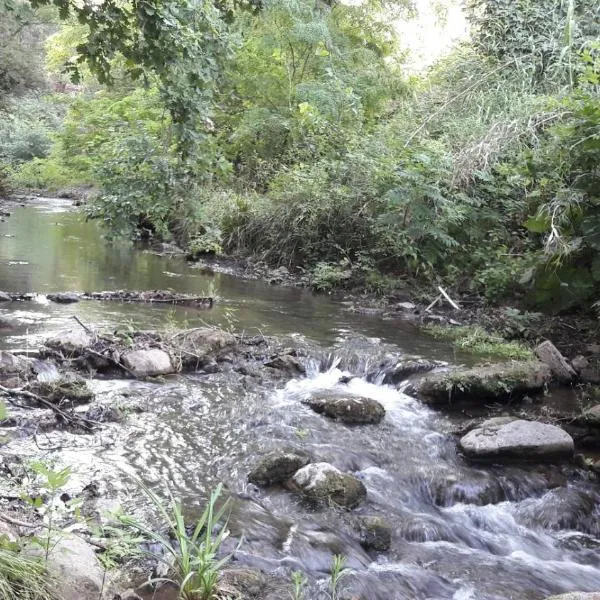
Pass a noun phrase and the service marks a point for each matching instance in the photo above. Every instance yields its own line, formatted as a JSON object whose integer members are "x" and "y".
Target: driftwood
{"x": 146, "y": 297}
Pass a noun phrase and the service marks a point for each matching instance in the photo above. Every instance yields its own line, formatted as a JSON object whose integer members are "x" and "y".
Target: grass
{"x": 196, "y": 565}
{"x": 476, "y": 340}
{"x": 23, "y": 577}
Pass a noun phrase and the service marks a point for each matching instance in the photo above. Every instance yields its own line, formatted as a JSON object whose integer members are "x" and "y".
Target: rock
{"x": 73, "y": 391}
{"x": 576, "y": 596}
{"x": 63, "y": 297}
{"x": 127, "y": 595}
{"x": 580, "y": 362}
{"x": 324, "y": 482}
{"x": 73, "y": 342}
{"x": 148, "y": 363}
{"x": 499, "y": 382}
{"x": 74, "y": 564}
{"x": 375, "y": 532}
{"x": 10, "y": 364}
{"x": 497, "y": 438}
{"x": 8, "y": 323}
{"x": 277, "y": 467}
{"x": 406, "y": 306}
{"x": 548, "y": 354}
{"x": 349, "y": 409}
{"x": 201, "y": 345}
{"x": 4, "y": 297}
{"x": 590, "y": 374}
{"x": 409, "y": 366}
{"x": 288, "y": 364}
{"x": 591, "y": 417}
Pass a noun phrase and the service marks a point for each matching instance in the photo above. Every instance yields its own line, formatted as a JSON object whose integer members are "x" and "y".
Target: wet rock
{"x": 104, "y": 414}
{"x": 63, "y": 297}
{"x": 549, "y": 354}
{"x": 73, "y": 342}
{"x": 408, "y": 306}
{"x": 4, "y": 297}
{"x": 127, "y": 595}
{"x": 497, "y": 438}
{"x": 580, "y": 362}
{"x": 409, "y": 366}
{"x": 375, "y": 532}
{"x": 590, "y": 418}
{"x": 421, "y": 529}
{"x": 476, "y": 488}
{"x": 72, "y": 391}
{"x": 288, "y": 364}
{"x": 12, "y": 365}
{"x": 499, "y": 382}
{"x": 277, "y": 467}
{"x": 348, "y": 409}
{"x": 324, "y": 482}
{"x": 148, "y": 363}
{"x": 197, "y": 347}
{"x": 576, "y": 596}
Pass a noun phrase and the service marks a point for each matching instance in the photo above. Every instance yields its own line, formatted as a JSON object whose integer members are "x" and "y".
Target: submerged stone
{"x": 499, "y": 438}
{"x": 277, "y": 467}
{"x": 349, "y": 409}
{"x": 499, "y": 382}
{"x": 324, "y": 482}
{"x": 375, "y": 532}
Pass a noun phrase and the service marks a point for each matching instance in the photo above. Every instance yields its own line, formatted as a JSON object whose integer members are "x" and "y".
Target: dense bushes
{"x": 308, "y": 147}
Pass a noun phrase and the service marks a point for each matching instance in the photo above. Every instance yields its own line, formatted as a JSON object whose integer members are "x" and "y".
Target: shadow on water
{"x": 459, "y": 531}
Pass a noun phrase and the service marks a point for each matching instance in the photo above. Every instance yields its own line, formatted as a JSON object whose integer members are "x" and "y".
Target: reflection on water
{"x": 53, "y": 249}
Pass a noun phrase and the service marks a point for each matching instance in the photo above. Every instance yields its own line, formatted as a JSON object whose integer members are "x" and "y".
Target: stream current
{"x": 459, "y": 531}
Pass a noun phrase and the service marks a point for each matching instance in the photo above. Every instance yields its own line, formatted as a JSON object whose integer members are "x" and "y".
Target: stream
{"x": 459, "y": 531}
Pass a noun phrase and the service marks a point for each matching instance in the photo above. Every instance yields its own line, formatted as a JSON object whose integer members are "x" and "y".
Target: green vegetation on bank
{"x": 476, "y": 340}
{"x": 289, "y": 130}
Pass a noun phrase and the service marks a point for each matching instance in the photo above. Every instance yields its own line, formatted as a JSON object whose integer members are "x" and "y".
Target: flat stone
{"x": 64, "y": 297}
{"x": 517, "y": 439}
{"x": 148, "y": 363}
{"x": 348, "y": 409}
{"x": 561, "y": 369}
{"x": 502, "y": 381}
{"x": 325, "y": 483}
{"x": 277, "y": 467}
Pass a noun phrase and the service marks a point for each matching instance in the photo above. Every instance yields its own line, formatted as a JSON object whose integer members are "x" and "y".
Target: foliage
{"x": 337, "y": 574}
{"x": 22, "y": 577}
{"x": 477, "y": 340}
{"x": 194, "y": 552}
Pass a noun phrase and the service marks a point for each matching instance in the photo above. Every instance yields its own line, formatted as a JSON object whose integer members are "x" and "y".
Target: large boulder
{"x": 197, "y": 347}
{"x": 561, "y": 369}
{"x": 516, "y": 438}
{"x": 323, "y": 482}
{"x": 501, "y": 381}
{"x": 349, "y": 409}
{"x": 277, "y": 467}
{"x": 148, "y": 363}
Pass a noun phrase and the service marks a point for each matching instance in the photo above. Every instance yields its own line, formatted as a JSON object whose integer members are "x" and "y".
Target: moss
{"x": 476, "y": 340}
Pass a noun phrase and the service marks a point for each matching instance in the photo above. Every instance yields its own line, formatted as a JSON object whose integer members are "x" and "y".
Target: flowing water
{"x": 460, "y": 531}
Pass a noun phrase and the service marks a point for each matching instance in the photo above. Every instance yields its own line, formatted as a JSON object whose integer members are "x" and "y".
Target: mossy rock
{"x": 277, "y": 467}
{"x": 65, "y": 390}
{"x": 322, "y": 482}
{"x": 375, "y": 532}
{"x": 348, "y": 409}
{"x": 502, "y": 381}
